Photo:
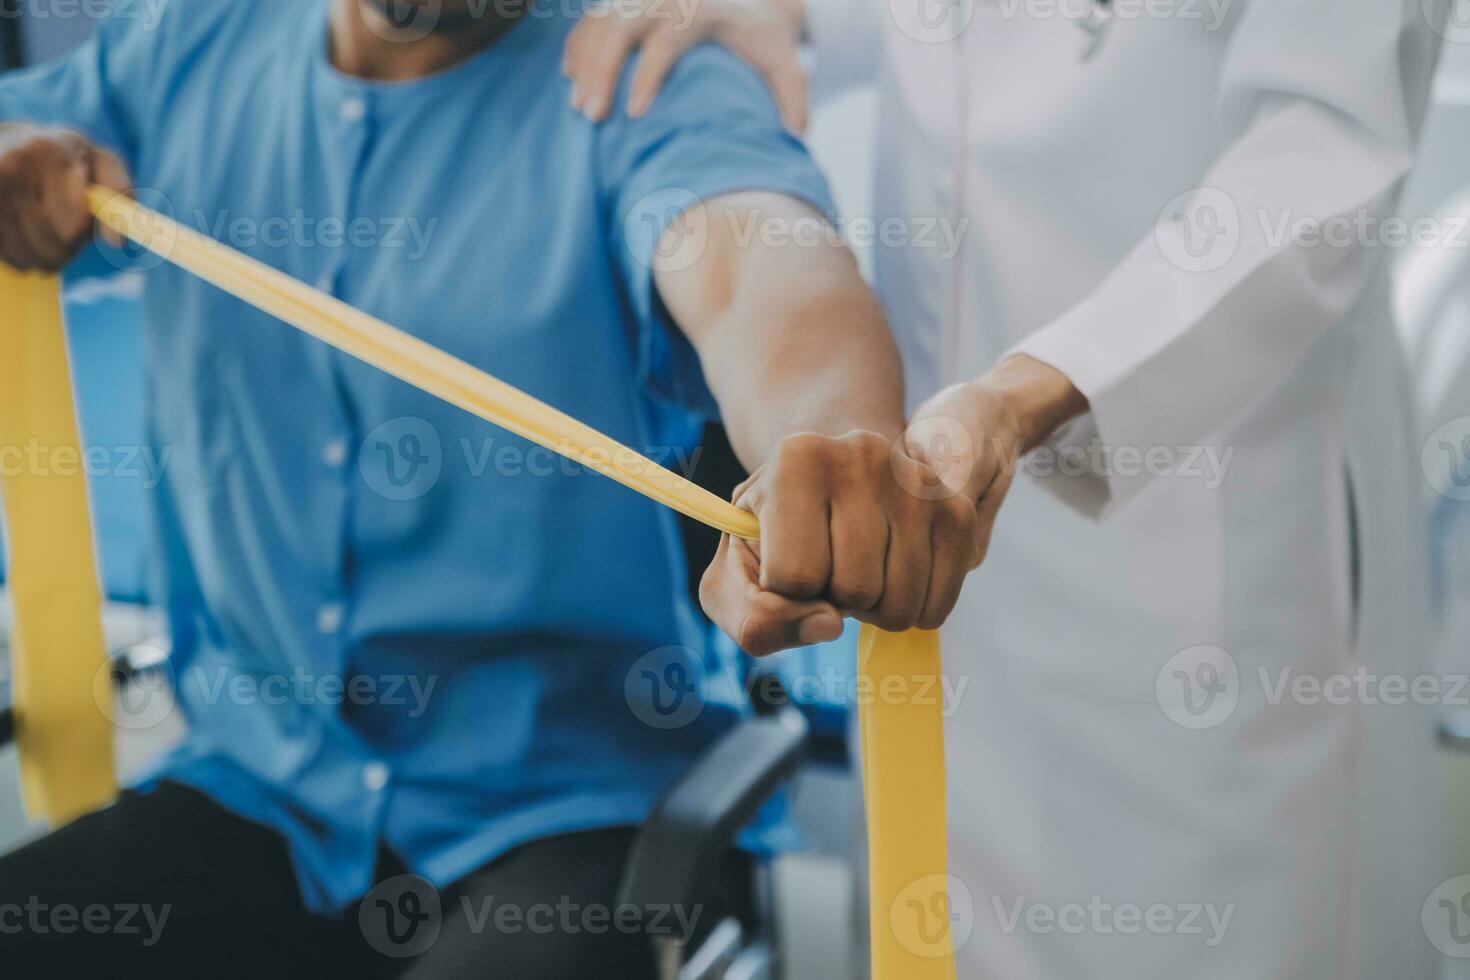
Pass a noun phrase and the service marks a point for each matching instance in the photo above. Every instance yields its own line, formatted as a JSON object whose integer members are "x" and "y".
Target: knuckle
{"x": 856, "y": 595}
{"x": 936, "y": 616}
{"x": 931, "y": 620}
{"x": 866, "y": 450}
{"x": 895, "y": 620}
{"x": 955, "y": 520}
{"x": 48, "y": 154}
{"x": 14, "y": 166}
{"x": 795, "y": 582}
{"x": 802, "y": 449}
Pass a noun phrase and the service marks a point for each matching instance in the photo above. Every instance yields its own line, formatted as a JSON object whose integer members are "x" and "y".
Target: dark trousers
{"x": 169, "y": 884}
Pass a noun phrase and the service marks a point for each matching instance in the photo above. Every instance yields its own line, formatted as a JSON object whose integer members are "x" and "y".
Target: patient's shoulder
{"x": 709, "y": 84}
{"x": 180, "y": 27}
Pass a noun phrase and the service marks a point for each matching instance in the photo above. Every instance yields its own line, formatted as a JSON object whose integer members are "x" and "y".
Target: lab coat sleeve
{"x": 1320, "y": 104}
{"x": 846, "y": 42}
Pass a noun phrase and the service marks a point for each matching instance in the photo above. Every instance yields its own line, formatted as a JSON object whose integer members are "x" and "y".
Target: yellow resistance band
{"x": 60, "y": 680}
{"x": 902, "y": 729}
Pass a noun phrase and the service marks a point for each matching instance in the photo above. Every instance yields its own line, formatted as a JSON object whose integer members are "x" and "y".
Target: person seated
{"x": 412, "y": 649}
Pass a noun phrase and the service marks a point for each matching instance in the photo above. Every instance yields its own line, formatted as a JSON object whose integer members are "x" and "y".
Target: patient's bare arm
{"x": 799, "y": 356}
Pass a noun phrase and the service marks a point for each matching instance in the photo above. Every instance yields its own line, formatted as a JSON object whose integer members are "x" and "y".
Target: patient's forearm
{"x": 808, "y": 377}
{"x": 790, "y": 337}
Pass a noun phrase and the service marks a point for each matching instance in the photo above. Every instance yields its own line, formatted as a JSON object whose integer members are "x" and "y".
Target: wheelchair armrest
{"x": 694, "y": 826}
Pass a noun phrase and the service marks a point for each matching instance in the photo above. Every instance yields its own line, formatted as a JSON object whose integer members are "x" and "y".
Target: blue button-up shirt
{"x": 393, "y": 622}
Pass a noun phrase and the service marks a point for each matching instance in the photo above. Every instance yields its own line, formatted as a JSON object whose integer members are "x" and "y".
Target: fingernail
{"x": 823, "y": 627}
{"x": 576, "y": 97}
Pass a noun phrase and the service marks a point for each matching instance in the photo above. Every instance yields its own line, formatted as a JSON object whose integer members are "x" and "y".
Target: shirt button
{"x": 352, "y": 110}
{"x": 375, "y": 777}
{"x": 334, "y": 453}
{"x": 329, "y": 618}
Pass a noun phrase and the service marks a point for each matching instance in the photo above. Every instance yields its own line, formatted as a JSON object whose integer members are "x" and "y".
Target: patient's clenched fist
{"x": 44, "y": 175}
{"x": 842, "y": 533}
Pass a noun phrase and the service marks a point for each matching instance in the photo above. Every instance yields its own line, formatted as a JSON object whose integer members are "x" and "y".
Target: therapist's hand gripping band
{"x": 903, "y": 735}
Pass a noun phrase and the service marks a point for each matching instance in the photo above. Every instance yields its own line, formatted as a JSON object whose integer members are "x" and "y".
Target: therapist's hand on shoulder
{"x": 765, "y": 34}
{"x": 44, "y": 175}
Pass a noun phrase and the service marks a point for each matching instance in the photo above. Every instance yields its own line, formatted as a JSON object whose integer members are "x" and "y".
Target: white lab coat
{"x": 1076, "y": 798}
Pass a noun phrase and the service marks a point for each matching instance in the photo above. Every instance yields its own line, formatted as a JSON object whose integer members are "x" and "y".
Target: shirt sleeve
{"x": 713, "y": 131}
{"x": 1321, "y": 107}
{"x": 99, "y": 90}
